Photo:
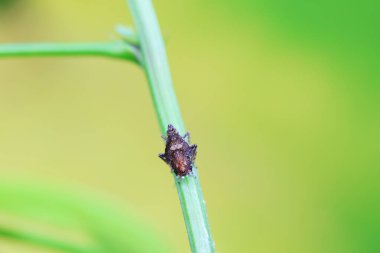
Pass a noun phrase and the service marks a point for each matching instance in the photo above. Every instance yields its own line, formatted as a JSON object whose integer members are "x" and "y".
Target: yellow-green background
{"x": 282, "y": 98}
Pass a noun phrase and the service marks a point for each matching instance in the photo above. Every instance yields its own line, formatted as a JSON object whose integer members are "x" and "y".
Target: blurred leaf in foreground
{"x": 45, "y": 217}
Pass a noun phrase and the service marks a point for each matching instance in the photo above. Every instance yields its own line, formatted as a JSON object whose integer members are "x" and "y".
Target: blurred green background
{"x": 282, "y": 98}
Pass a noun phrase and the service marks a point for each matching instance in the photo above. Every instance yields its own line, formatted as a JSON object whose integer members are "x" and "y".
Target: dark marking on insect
{"x": 178, "y": 153}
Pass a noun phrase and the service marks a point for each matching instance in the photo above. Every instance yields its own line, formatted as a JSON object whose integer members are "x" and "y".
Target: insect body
{"x": 178, "y": 153}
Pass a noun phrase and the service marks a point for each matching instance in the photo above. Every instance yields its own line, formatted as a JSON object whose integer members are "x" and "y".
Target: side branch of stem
{"x": 115, "y": 49}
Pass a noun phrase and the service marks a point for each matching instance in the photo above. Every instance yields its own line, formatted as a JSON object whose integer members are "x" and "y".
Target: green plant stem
{"x": 41, "y": 241}
{"x": 115, "y": 49}
{"x": 156, "y": 66}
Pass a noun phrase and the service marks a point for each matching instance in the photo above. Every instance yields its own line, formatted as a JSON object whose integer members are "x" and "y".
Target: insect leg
{"x": 187, "y": 135}
{"x": 163, "y": 157}
{"x": 193, "y": 152}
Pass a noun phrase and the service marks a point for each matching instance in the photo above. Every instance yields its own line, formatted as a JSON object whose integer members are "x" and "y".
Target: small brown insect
{"x": 178, "y": 153}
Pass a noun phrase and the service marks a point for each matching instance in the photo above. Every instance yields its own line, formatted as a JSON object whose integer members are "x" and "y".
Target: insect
{"x": 178, "y": 153}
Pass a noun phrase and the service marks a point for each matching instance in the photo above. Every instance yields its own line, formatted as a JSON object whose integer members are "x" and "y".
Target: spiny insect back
{"x": 178, "y": 153}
